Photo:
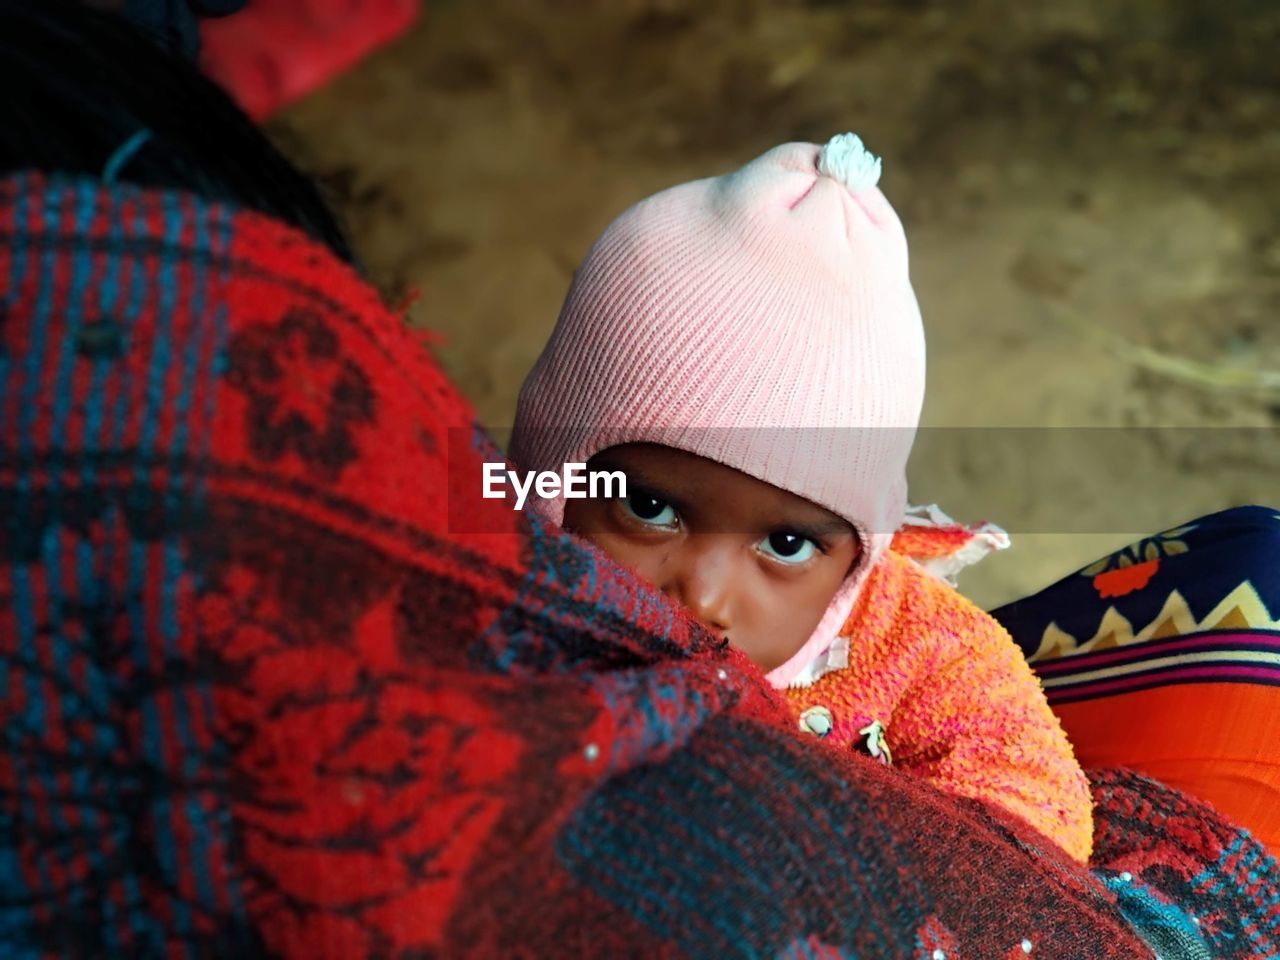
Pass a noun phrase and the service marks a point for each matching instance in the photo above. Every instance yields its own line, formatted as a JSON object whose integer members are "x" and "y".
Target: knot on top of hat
{"x": 845, "y": 158}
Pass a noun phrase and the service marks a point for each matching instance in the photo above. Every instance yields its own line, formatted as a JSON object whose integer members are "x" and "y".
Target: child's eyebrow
{"x": 639, "y": 477}
{"x": 817, "y": 529}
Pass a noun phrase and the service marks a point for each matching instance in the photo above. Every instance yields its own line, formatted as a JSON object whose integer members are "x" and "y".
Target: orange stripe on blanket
{"x": 1216, "y": 741}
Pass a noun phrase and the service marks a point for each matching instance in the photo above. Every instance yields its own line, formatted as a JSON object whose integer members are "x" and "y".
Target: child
{"x": 748, "y": 351}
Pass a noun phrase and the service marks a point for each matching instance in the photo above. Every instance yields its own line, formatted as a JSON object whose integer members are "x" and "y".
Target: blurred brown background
{"x": 1066, "y": 172}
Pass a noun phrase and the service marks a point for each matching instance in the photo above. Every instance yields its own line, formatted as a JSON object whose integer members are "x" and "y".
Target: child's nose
{"x": 705, "y": 584}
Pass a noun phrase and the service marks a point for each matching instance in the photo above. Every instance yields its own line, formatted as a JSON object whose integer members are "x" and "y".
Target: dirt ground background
{"x": 1066, "y": 172}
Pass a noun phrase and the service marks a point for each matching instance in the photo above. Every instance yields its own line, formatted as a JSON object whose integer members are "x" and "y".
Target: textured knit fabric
{"x": 1165, "y": 657}
{"x": 945, "y": 547}
{"x": 764, "y": 320}
{"x": 956, "y": 700}
{"x": 1169, "y": 858}
{"x": 263, "y": 696}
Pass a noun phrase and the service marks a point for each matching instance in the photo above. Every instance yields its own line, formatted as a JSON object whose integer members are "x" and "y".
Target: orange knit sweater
{"x": 956, "y": 700}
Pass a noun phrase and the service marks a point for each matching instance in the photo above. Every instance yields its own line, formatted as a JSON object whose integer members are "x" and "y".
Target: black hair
{"x": 77, "y": 83}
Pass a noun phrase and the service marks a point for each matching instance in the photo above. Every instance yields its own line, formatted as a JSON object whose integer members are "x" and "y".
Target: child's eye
{"x": 649, "y": 509}
{"x": 787, "y": 547}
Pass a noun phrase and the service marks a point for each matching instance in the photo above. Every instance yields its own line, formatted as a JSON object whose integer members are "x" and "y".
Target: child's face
{"x": 756, "y": 563}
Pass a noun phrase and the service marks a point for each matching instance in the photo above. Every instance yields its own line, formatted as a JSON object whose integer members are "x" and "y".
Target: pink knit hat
{"x": 763, "y": 319}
